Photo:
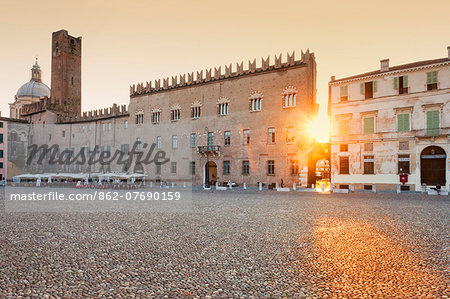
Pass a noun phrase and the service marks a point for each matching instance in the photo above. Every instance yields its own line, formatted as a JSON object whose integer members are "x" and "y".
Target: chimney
{"x": 384, "y": 65}
{"x": 448, "y": 50}
{"x": 333, "y": 78}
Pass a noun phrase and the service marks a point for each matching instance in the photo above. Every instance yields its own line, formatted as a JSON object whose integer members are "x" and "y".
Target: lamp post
{"x": 207, "y": 159}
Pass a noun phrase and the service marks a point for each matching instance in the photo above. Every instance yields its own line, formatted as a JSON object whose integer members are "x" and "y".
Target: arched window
{"x": 140, "y": 117}
{"x": 196, "y": 110}
{"x": 290, "y": 134}
{"x": 255, "y": 101}
{"x": 223, "y": 106}
{"x": 175, "y": 112}
{"x": 289, "y": 97}
{"x": 156, "y": 115}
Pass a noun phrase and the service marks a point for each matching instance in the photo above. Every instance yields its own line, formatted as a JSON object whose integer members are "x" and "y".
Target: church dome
{"x": 35, "y": 88}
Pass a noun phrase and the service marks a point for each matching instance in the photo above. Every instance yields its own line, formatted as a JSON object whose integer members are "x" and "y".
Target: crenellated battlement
{"x": 114, "y": 111}
{"x": 208, "y": 75}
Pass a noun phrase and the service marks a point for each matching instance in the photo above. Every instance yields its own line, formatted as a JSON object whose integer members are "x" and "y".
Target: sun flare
{"x": 319, "y": 128}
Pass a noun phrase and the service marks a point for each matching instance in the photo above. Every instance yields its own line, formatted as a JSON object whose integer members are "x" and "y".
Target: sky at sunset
{"x": 126, "y": 42}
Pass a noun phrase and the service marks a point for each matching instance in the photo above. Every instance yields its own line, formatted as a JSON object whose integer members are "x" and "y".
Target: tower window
{"x": 72, "y": 80}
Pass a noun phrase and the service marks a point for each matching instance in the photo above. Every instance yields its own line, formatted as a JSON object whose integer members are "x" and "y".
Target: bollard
{"x": 323, "y": 187}
{"x": 424, "y": 188}
{"x": 399, "y": 188}
{"x": 352, "y": 188}
{"x": 276, "y": 185}
{"x": 245, "y": 186}
{"x": 294, "y": 186}
{"x": 217, "y": 185}
{"x": 184, "y": 184}
{"x": 374, "y": 188}
{"x": 173, "y": 184}
{"x": 260, "y": 186}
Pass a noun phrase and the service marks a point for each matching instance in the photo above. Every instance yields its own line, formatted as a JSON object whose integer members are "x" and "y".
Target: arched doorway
{"x": 432, "y": 166}
{"x": 210, "y": 171}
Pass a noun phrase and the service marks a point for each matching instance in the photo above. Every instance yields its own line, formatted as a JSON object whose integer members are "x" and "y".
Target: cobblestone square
{"x": 235, "y": 244}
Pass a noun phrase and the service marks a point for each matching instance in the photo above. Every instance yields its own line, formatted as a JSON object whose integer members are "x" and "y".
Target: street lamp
{"x": 207, "y": 159}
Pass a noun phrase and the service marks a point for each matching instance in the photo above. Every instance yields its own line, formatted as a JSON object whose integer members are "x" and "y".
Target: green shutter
{"x": 344, "y": 91}
{"x": 396, "y": 83}
{"x": 369, "y": 125}
{"x": 403, "y": 122}
{"x": 433, "y": 122}
{"x": 405, "y": 81}
{"x": 362, "y": 88}
{"x": 375, "y": 86}
{"x": 432, "y": 77}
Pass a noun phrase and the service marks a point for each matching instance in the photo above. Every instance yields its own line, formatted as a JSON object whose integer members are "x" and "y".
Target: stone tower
{"x": 66, "y": 73}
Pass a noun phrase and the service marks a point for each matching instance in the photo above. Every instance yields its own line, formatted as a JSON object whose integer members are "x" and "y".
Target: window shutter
{"x": 434, "y": 77}
{"x": 405, "y": 81}
{"x": 428, "y": 79}
{"x": 250, "y": 105}
{"x": 396, "y": 83}
{"x": 362, "y": 88}
{"x": 436, "y": 119}
{"x": 375, "y": 85}
{"x": 400, "y": 122}
{"x": 368, "y": 125}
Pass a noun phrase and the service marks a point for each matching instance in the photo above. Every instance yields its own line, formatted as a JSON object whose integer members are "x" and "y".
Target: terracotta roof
{"x": 396, "y": 68}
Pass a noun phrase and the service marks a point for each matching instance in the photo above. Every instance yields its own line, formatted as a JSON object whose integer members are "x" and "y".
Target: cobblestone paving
{"x": 235, "y": 244}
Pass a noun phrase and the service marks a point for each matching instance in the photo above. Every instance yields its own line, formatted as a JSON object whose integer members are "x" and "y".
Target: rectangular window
{"x": 193, "y": 140}
{"x": 368, "y": 89}
{"x": 1, "y": 124}
{"x": 174, "y": 141}
{"x": 63, "y": 133}
{"x": 369, "y": 125}
{"x": 210, "y": 138}
{"x": 433, "y": 123}
{"x": 226, "y": 167}
{"x": 158, "y": 169}
{"x": 270, "y": 167}
{"x": 403, "y": 163}
{"x": 368, "y": 147}
{"x": 173, "y": 167}
{"x": 192, "y": 167}
{"x": 344, "y": 165}
{"x": 245, "y": 167}
{"x": 1, "y": 165}
{"x": 246, "y": 137}
{"x": 403, "y": 122}
{"x": 125, "y": 149}
{"x": 138, "y": 144}
{"x": 1, "y": 138}
{"x": 344, "y": 93}
{"x": 401, "y": 83}
{"x": 227, "y": 138}
{"x": 294, "y": 167}
{"x": 271, "y": 135}
{"x": 344, "y": 148}
{"x": 344, "y": 127}
{"x": 158, "y": 142}
{"x": 432, "y": 80}
{"x": 1, "y": 153}
{"x": 369, "y": 165}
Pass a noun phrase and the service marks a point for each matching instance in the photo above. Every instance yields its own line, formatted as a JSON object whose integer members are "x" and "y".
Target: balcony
{"x": 208, "y": 150}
